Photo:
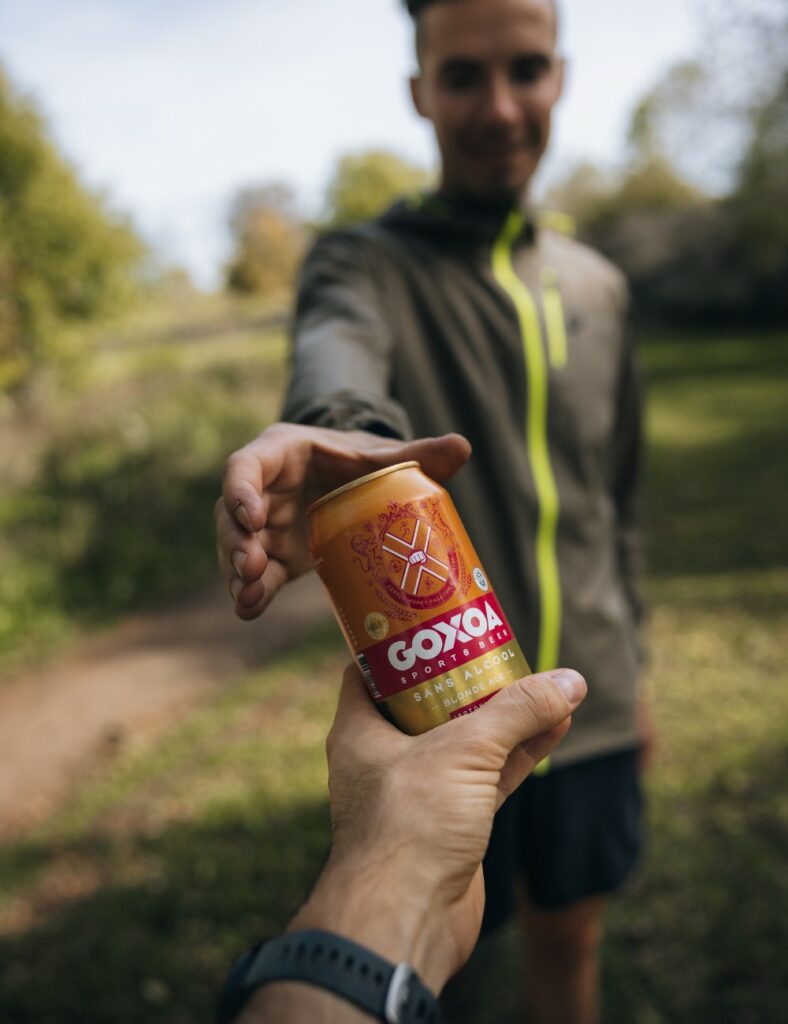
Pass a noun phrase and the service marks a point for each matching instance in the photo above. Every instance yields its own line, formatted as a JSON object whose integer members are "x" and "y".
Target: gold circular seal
{"x": 377, "y": 625}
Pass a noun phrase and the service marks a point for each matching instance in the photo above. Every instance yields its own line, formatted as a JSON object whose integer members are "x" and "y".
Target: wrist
{"x": 378, "y": 905}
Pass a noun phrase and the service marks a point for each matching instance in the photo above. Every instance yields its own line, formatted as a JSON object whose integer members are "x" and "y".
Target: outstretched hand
{"x": 262, "y": 535}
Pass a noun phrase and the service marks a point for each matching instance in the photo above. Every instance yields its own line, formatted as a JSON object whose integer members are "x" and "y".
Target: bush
{"x": 64, "y": 259}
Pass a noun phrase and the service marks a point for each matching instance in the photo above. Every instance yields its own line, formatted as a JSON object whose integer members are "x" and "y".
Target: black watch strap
{"x": 392, "y": 994}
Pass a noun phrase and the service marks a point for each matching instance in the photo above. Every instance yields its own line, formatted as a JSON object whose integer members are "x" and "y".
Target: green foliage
{"x": 364, "y": 184}
{"x": 667, "y": 121}
{"x": 117, "y": 509}
{"x": 652, "y": 186}
{"x": 64, "y": 259}
{"x": 691, "y": 258}
{"x": 269, "y": 238}
{"x": 698, "y": 217}
{"x": 594, "y": 198}
{"x": 582, "y": 192}
{"x": 759, "y": 205}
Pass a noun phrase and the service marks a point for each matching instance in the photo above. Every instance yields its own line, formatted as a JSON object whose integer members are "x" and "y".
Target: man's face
{"x": 489, "y": 80}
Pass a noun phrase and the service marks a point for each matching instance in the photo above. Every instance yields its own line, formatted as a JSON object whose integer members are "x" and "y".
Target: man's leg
{"x": 578, "y": 839}
{"x": 561, "y": 975}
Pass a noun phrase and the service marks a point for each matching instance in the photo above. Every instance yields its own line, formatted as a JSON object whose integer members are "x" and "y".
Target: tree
{"x": 680, "y": 123}
{"x": 64, "y": 258}
{"x": 759, "y": 204}
{"x": 582, "y": 192}
{"x": 269, "y": 236}
{"x": 698, "y": 215}
{"x": 364, "y": 184}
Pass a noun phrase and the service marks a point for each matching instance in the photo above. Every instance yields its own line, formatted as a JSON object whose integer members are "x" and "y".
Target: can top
{"x": 357, "y": 483}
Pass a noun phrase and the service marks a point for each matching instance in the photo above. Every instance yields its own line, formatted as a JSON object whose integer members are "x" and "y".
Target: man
{"x": 458, "y": 312}
{"x": 403, "y": 887}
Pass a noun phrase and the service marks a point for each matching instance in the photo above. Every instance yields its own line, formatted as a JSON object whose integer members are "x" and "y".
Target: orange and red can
{"x": 412, "y": 598}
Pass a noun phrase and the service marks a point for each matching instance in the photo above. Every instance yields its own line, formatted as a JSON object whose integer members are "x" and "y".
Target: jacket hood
{"x": 457, "y": 219}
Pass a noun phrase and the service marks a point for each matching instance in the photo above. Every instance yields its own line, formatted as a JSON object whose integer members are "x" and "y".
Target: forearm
{"x": 284, "y": 1002}
{"x": 371, "y": 904}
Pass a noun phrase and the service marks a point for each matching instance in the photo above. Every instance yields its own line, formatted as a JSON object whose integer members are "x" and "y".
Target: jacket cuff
{"x": 386, "y": 419}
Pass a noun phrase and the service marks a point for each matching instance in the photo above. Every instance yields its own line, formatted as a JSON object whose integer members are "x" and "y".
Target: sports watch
{"x": 388, "y": 993}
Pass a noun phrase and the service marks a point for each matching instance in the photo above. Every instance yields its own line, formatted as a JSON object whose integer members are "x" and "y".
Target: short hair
{"x": 415, "y": 8}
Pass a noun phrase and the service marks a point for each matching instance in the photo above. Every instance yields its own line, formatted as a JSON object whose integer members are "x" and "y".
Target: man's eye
{"x": 530, "y": 69}
{"x": 460, "y": 79}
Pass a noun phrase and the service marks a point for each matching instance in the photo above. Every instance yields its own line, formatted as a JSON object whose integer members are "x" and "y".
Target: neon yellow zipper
{"x": 548, "y": 578}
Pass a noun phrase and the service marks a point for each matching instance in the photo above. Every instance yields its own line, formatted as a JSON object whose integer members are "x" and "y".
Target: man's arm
{"x": 627, "y": 473}
{"x": 343, "y": 342}
{"x": 627, "y": 484}
{"x": 410, "y": 822}
{"x": 347, "y": 426}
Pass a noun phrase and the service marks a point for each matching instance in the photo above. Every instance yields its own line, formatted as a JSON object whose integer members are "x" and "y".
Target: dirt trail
{"x": 61, "y": 723}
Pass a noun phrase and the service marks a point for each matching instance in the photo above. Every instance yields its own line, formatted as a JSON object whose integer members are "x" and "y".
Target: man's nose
{"x": 501, "y": 105}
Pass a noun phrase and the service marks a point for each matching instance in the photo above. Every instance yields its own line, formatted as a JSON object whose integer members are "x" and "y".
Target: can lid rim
{"x": 358, "y": 483}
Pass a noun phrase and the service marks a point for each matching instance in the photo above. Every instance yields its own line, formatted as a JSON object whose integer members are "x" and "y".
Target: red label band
{"x": 437, "y": 646}
{"x": 471, "y": 707}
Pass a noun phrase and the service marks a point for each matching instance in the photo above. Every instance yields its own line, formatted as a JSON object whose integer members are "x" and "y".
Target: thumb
{"x": 439, "y": 457}
{"x": 525, "y": 709}
{"x": 356, "y": 717}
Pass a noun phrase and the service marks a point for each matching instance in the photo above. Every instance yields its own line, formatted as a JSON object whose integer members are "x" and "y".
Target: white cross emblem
{"x": 415, "y": 554}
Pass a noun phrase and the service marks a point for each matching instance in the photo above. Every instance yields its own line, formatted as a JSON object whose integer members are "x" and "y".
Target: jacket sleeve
{"x": 342, "y": 344}
{"x": 628, "y": 464}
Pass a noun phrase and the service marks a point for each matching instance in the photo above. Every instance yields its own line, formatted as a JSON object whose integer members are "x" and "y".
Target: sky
{"x": 169, "y": 108}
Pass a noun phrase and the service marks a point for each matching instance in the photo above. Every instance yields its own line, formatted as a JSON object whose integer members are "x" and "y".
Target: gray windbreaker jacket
{"x": 442, "y": 317}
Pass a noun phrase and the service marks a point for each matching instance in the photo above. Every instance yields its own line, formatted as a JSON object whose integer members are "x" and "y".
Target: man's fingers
{"x": 439, "y": 457}
{"x": 250, "y": 473}
{"x": 242, "y": 489}
{"x": 340, "y": 459}
{"x": 280, "y": 458}
{"x": 527, "y": 708}
{"x": 241, "y": 556}
{"x": 240, "y": 553}
{"x": 272, "y": 581}
{"x": 357, "y": 715}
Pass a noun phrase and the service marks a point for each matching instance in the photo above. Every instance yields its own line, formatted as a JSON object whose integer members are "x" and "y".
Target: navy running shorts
{"x": 572, "y": 833}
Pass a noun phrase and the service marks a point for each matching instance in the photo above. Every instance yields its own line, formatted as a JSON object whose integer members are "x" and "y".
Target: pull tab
{"x": 554, "y": 318}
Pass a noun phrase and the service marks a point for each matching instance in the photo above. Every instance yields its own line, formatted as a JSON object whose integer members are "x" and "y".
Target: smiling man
{"x": 458, "y": 312}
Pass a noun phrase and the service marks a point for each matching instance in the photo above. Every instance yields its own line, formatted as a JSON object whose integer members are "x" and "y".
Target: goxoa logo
{"x": 410, "y": 554}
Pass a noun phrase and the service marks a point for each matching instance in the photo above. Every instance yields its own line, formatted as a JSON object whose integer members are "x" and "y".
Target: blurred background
{"x": 162, "y": 169}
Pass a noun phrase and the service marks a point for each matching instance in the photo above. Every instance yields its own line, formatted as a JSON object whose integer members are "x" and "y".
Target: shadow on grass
{"x": 156, "y": 946}
{"x": 714, "y": 356}
{"x": 716, "y": 508}
{"x": 713, "y": 503}
{"x": 699, "y": 936}
{"x": 702, "y": 936}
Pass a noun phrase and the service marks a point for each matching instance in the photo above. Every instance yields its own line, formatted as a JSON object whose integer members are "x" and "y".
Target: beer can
{"x": 412, "y": 598}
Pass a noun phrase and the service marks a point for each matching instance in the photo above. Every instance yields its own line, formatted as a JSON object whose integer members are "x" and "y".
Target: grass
{"x": 130, "y": 902}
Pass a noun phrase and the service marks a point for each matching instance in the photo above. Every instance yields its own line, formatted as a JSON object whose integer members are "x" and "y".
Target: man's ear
{"x": 560, "y": 73}
{"x": 417, "y": 94}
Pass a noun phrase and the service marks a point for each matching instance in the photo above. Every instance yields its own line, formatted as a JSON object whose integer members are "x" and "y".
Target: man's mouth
{"x": 497, "y": 153}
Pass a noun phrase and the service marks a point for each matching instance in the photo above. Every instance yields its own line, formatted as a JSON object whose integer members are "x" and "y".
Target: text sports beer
{"x": 412, "y": 598}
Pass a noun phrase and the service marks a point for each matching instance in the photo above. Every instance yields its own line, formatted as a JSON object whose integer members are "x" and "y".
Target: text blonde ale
{"x": 412, "y": 598}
